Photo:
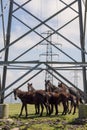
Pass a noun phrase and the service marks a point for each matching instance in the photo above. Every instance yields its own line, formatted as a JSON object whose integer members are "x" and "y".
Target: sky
{"x": 42, "y": 10}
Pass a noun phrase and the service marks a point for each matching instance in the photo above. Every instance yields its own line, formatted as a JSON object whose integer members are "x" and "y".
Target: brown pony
{"x": 55, "y": 99}
{"x": 29, "y": 98}
{"x": 57, "y": 95}
{"x": 74, "y": 96}
{"x": 32, "y": 89}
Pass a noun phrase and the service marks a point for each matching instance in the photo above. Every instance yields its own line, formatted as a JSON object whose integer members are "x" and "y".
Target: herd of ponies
{"x": 50, "y": 98}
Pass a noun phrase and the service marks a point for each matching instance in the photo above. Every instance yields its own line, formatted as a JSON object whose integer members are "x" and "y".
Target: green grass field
{"x": 35, "y": 122}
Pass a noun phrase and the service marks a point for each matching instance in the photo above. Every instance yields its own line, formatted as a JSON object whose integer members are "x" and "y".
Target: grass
{"x": 35, "y": 122}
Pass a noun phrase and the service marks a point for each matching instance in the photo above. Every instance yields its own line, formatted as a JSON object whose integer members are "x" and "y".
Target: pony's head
{"x": 59, "y": 84}
{"x": 29, "y": 85}
{"x": 47, "y": 82}
{"x": 15, "y": 93}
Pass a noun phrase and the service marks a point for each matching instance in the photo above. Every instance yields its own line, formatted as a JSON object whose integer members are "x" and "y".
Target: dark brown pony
{"x": 74, "y": 95}
{"x": 32, "y": 89}
{"x": 29, "y": 98}
{"x": 55, "y": 99}
{"x": 57, "y": 96}
{"x": 37, "y": 107}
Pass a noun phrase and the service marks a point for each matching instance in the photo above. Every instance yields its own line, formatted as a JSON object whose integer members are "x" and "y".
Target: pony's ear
{"x": 29, "y": 83}
{"x": 14, "y": 89}
{"x": 48, "y": 80}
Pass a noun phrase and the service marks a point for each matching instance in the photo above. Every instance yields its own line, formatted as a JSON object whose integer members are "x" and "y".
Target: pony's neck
{"x": 20, "y": 93}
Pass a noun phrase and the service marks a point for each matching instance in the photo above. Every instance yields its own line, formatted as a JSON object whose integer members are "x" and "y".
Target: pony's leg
{"x": 21, "y": 110}
{"x": 76, "y": 103}
{"x": 47, "y": 106}
{"x": 51, "y": 110}
{"x": 68, "y": 105}
{"x": 71, "y": 106}
{"x": 56, "y": 108}
{"x": 37, "y": 108}
{"x": 74, "y": 109}
{"x": 65, "y": 107}
{"x": 42, "y": 108}
{"x": 26, "y": 110}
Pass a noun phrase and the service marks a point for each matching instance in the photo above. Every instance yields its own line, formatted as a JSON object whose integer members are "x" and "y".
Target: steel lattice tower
{"x": 31, "y": 22}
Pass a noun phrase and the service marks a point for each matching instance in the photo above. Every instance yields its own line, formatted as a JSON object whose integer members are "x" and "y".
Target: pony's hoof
{"x": 56, "y": 114}
{"x": 26, "y": 116}
{"x": 69, "y": 112}
{"x": 19, "y": 116}
{"x": 73, "y": 113}
{"x": 40, "y": 115}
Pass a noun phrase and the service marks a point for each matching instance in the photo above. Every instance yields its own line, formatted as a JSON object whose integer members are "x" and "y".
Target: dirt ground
{"x": 18, "y": 124}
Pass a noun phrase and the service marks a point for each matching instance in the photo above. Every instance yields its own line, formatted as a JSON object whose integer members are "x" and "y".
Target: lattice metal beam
{"x": 19, "y": 7}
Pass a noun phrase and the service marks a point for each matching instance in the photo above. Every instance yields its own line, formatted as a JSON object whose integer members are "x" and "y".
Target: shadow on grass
{"x": 78, "y": 121}
{"x": 32, "y": 116}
